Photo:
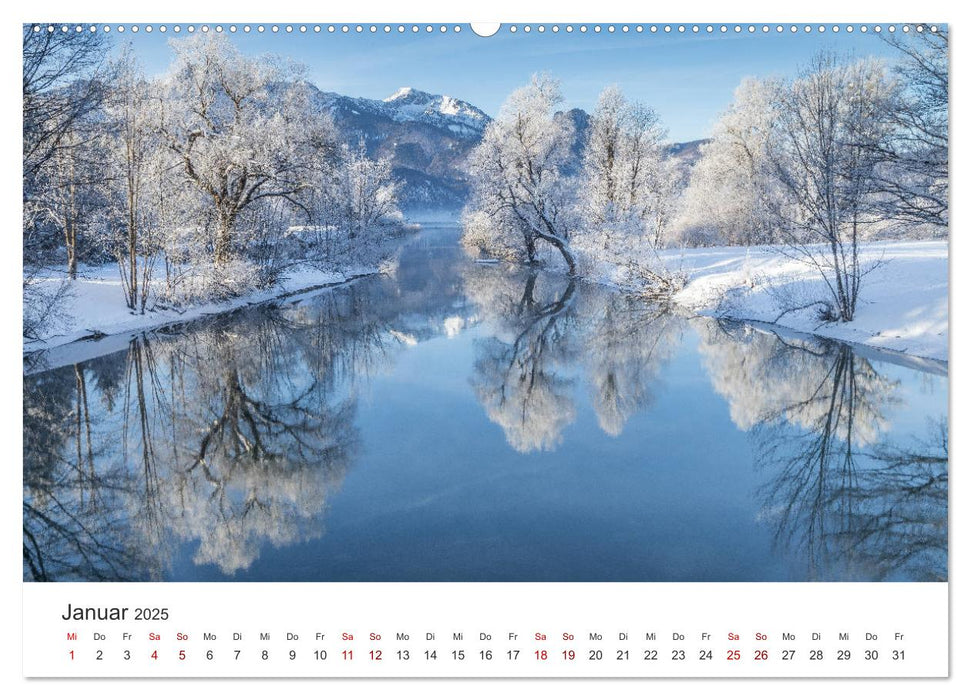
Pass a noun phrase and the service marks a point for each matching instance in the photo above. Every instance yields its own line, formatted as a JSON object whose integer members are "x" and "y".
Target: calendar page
{"x": 514, "y": 350}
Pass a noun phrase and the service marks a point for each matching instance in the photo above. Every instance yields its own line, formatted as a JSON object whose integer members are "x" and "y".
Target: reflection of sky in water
{"x": 501, "y": 434}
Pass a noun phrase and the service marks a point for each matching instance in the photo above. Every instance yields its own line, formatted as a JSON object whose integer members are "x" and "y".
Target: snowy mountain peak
{"x": 426, "y": 136}
{"x": 408, "y": 94}
{"x": 450, "y": 105}
{"x": 407, "y": 103}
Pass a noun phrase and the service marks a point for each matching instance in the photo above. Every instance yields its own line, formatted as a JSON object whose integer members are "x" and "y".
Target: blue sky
{"x": 687, "y": 78}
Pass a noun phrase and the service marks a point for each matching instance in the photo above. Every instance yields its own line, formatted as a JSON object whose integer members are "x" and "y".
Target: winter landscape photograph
{"x": 564, "y": 303}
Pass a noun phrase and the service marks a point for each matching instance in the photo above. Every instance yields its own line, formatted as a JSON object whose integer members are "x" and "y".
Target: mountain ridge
{"x": 428, "y": 138}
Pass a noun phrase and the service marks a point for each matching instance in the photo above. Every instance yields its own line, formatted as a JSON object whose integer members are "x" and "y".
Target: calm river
{"x": 465, "y": 421}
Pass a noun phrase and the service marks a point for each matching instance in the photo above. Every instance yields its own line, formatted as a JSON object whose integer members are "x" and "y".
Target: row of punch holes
{"x": 488, "y": 30}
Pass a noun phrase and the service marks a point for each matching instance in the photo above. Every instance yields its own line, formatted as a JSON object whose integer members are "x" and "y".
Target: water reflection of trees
{"x": 854, "y": 502}
{"x": 71, "y": 510}
{"x": 515, "y": 374}
{"x": 233, "y": 436}
{"x": 224, "y": 439}
{"x": 545, "y": 334}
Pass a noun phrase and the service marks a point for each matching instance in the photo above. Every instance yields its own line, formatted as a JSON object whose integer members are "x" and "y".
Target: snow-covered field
{"x": 903, "y": 302}
{"x": 95, "y": 303}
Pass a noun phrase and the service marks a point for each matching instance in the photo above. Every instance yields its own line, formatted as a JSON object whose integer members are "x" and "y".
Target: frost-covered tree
{"x": 824, "y": 154}
{"x": 242, "y": 130}
{"x": 626, "y": 181}
{"x": 364, "y": 194}
{"x": 614, "y": 213}
{"x": 134, "y": 160}
{"x": 351, "y": 213}
{"x": 627, "y": 196}
{"x": 63, "y": 84}
{"x": 662, "y": 201}
{"x": 602, "y": 158}
{"x": 64, "y": 74}
{"x": 224, "y": 169}
{"x": 517, "y": 170}
{"x": 726, "y": 200}
{"x": 70, "y": 181}
{"x": 914, "y": 176}
{"x": 494, "y": 234}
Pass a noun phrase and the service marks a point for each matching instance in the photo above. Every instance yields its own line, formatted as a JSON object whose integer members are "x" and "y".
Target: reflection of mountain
{"x": 545, "y": 331}
{"x": 428, "y": 294}
{"x": 856, "y": 504}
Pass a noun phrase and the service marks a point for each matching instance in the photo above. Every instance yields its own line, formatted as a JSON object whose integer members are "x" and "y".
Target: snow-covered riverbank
{"x": 903, "y": 302}
{"x": 94, "y": 305}
{"x": 903, "y": 306}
